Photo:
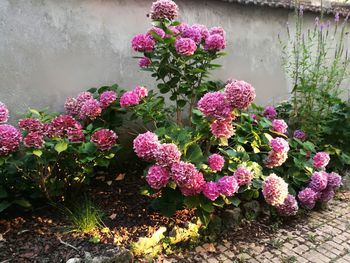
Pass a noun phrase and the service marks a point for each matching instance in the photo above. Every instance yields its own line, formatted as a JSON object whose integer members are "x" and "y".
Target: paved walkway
{"x": 324, "y": 237}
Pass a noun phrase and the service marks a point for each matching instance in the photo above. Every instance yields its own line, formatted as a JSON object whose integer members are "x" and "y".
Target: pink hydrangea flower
{"x": 174, "y": 31}
{"x": 270, "y": 112}
{"x": 243, "y": 176}
{"x": 215, "y": 105}
{"x": 182, "y": 27}
{"x": 334, "y": 180}
{"x": 91, "y": 109}
{"x": 275, "y": 190}
{"x": 216, "y": 162}
{"x": 279, "y": 126}
{"x": 72, "y": 106}
{"x": 193, "y": 33}
{"x": 142, "y": 92}
{"x": 289, "y": 207}
{"x": 84, "y": 96}
{"x": 104, "y": 139}
{"x": 4, "y": 113}
{"x": 318, "y": 181}
{"x": 143, "y": 43}
{"x": 30, "y": 124}
{"x": 158, "y": 31}
{"x": 164, "y": 9}
{"x": 145, "y": 145}
{"x": 239, "y": 93}
{"x": 144, "y": 62}
{"x": 10, "y": 138}
{"x": 222, "y": 129}
{"x": 157, "y": 177}
{"x": 194, "y": 185}
{"x": 275, "y": 159}
{"x": 217, "y": 30}
{"x": 279, "y": 145}
{"x": 326, "y": 195}
{"x": 298, "y": 134}
{"x": 167, "y": 154}
{"x": 215, "y": 42}
{"x": 307, "y": 198}
{"x": 320, "y": 160}
{"x": 65, "y": 126}
{"x": 129, "y": 98}
{"x": 107, "y": 98}
{"x": 185, "y": 46}
{"x": 211, "y": 190}
{"x": 203, "y": 30}
{"x": 228, "y": 185}
{"x": 34, "y": 139}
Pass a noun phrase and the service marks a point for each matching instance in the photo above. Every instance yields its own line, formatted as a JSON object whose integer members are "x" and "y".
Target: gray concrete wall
{"x": 51, "y": 49}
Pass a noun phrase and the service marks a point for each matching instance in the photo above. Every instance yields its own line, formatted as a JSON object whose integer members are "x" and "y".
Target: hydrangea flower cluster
{"x": 307, "y": 198}
{"x": 164, "y": 9}
{"x": 104, "y": 139}
{"x": 143, "y": 43}
{"x": 145, "y": 145}
{"x": 31, "y": 125}
{"x": 167, "y": 154}
{"x": 185, "y": 46}
{"x": 107, "y": 98}
{"x": 239, "y": 93}
{"x": 211, "y": 190}
{"x": 289, "y": 207}
{"x": 4, "y": 113}
{"x": 275, "y": 190}
{"x": 10, "y": 139}
{"x": 133, "y": 97}
{"x": 156, "y": 30}
{"x": 144, "y": 62}
{"x": 65, "y": 126}
{"x": 243, "y": 176}
{"x": 228, "y": 185}
{"x": 279, "y": 153}
{"x": 279, "y": 126}
{"x": 299, "y": 134}
{"x": 216, "y": 162}
{"x": 320, "y": 160}
{"x": 215, "y": 105}
{"x": 157, "y": 177}
{"x": 34, "y": 139}
{"x": 270, "y": 112}
{"x": 91, "y": 109}
{"x": 222, "y": 129}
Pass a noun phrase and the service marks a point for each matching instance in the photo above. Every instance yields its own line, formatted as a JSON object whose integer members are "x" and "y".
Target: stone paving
{"x": 324, "y": 237}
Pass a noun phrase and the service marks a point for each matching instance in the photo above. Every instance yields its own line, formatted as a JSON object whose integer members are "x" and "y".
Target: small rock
{"x": 232, "y": 217}
{"x": 252, "y": 209}
{"x": 74, "y": 260}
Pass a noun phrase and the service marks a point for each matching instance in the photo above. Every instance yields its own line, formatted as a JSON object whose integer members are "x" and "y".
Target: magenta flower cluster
{"x": 243, "y": 176}
{"x": 167, "y": 154}
{"x": 65, "y": 126}
{"x": 299, "y": 134}
{"x": 157, "y": 177}
{"x": 185, "y": 46}
{"x": 164, "y": 9}
{"x": 145, "y": 62}
{"x": 35, "y": 132}
{"x": 320, "y": 160}
{"x": 215, "y": 105}
{"x": 222, "y": 129}
{"x": 239, "y": 94}
{"x": 107, "y": 98}
{"x": 216, "y": 162}
{"x": 143, "y": 43}
{"x": 275, "y": 190}
{"x": 270, "y": 112}
{"x": 91, "y": 109}
{"x": 278, "y": 154}
{"x": 104, "y": 139}
{"x": 280, "y": 126}
{"x": 133, "y": 97}
{"x": 10, "y": 139}
{"x": 4, "y": 113}
{"x": 289, "y": 207}
{"x": 145, "y": 145}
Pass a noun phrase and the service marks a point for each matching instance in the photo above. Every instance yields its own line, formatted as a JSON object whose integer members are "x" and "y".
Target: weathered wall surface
{"x": 52, "y": 49}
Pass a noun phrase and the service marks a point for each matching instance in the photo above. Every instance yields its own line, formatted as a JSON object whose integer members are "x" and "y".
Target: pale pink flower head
{"x": 144, "y": 62}
{"x": 30, "y": 125}
{"x": 104, "y": 139}
{"x": 157, "y": 177}
{"x": 239, "y": 93}
{"x": 84, "y": 96}
{"x": 129, "y": 98}
{"x": 156, "y": 30}
{"x": 334, "y": 180}
{"x": 185, "y": 46}
{"x": 167, "y": 154}
{"x": 72, "y": 106}
{"x": 216, "y": 162}
{"x": 270, "y": 112}
{"x": 298, "y": 134}
{"x": 275, "y": 159}
{"x": 143, "y": 43}
{"x": 289, "y": 207}
{"x": 182, "y": 28}
{"x": 215, "y": 42}
{"x": 142, "y": 92}
{"x": 222, "y": 129}
{"x": 10, "y": 138}
{"x": 215, "y": 105}
{"x": 4, "y": 113}
{"x": 34, "y": 139}
{"x": 228, "y": 185}
{"x": 320, "y": 160}
{"x": 194, "y": 185}
{"x": 193, "y": 33}
{"x": 91, "y": 109}
{"x": 318, "y": 181}
{"x": 217, "y": 30}
{"x": 279, "y": 125}
{"x": 243, "y": 176}
{"x": 145, "y": 145}
{"x": 326, "y": 195}
{"x": 211, "y": 190}
{"x": 164, "y": 9}
{"x": 307, "y": 198}
{"x": 203, "y": 30}
{"x": 107, "y": 98}
{"x": 275, "y": 190}
{"x": 279, "y": 145}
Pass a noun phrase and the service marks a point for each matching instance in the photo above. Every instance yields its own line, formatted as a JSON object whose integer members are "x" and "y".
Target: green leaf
{"x": 4, "y": 204}
{"x": 3, "y": 192}
{"x": 220, "y": 202}
{"x": 22, "y": 202}
{"x": 203, "y": 216}
{"x": 208, "y": 207}
{"x": 194, "y": 153}
{"x": 181, "y": 103}
{"x": 34, "y": 111}
{"x": 88, "y": 148}
{"x": 234, "y": 200}
{"x": 61, "y": 146}
{"x": 192, "y": 201}
{"x": 37, "y": 153}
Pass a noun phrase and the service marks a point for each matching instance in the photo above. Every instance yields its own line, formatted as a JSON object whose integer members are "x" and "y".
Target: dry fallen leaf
{"x": 109, "y": 183}
{"x": 120, "y": 177}
{"x": 113, "y": 216}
